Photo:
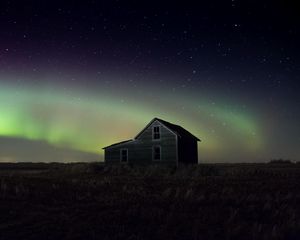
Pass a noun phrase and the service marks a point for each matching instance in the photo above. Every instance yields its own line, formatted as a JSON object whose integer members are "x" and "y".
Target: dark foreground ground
{"x": 90, "y": 201}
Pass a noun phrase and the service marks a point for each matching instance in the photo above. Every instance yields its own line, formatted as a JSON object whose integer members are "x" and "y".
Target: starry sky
{"x": 78, "y": 76}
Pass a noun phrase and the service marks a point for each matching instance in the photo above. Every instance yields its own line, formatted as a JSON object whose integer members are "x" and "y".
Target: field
{"x": 92, "y": 201}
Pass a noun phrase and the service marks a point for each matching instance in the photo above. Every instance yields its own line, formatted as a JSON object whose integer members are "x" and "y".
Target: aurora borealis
{"x": 75, "y": 78}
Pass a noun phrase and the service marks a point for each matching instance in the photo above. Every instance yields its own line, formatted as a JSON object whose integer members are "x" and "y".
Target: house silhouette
{"x": 160, "y": 142}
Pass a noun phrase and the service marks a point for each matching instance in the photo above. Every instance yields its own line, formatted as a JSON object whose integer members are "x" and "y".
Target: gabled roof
{"x": 176, "y": 129}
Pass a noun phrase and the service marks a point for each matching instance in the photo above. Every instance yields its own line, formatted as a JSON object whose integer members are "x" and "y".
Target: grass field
{"x": 91, "y": 201}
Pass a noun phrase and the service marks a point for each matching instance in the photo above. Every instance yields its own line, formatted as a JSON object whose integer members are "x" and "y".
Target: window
{"x": 156, "y": 153}
{"x": 156, "y": 132}
{"x": 124, "y": 155}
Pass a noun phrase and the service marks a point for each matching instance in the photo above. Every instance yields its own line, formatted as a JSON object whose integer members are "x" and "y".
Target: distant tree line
{"x": 283, "y": 161}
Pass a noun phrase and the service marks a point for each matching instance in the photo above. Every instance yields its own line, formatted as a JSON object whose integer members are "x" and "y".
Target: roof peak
{"x": 176, "y": 129}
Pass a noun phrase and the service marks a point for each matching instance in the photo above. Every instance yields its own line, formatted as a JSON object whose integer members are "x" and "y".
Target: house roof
{"x": 176, "y": 129}
{"x": 115, "y": 144}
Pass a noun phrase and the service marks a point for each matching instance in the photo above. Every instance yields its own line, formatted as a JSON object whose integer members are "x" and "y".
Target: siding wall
{"x": 140, "y": 150}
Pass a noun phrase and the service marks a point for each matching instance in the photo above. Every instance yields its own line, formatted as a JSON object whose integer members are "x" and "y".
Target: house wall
{"x": 112, "y": 155}
{"x": 141, "y": 149}
{"x": 187, "y": 151}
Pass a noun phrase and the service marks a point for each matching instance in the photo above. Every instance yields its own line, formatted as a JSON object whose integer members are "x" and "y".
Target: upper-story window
{"x": 156, "y": 132}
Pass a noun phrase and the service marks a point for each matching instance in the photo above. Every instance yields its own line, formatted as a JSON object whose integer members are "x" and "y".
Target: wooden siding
{"x": 141, "y": 149}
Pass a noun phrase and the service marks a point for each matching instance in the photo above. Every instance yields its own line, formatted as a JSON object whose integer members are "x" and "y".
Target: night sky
{"x": 75, "y": 77}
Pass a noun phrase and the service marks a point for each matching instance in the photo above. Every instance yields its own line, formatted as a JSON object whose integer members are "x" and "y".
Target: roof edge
{"x": 119, "y": 143}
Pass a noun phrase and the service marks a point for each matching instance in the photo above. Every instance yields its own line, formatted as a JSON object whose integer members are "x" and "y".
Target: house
{"x": 160, "y": 142}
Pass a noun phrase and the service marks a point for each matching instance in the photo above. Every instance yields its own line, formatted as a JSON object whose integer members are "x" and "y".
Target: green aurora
{"x": 87, "y": 121}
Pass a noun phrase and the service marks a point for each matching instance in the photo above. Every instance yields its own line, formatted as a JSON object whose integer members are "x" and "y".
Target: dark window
{"x": 156, "y": 132}
{"x": 124, "y": 155}
{"x": 157, "y": 153}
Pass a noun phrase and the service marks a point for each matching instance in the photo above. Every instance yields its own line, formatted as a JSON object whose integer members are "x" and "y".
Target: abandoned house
{"x": 160, "y": 142}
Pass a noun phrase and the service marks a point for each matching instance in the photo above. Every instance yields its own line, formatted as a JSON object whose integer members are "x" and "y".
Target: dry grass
{"x": 91, "y": 201}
